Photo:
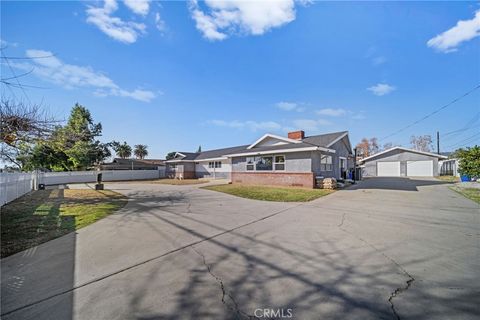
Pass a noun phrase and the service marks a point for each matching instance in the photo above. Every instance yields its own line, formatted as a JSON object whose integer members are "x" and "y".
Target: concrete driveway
{"x": 388, "y": 248}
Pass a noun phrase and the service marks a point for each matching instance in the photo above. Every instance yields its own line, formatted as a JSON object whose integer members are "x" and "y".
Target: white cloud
{"x": 225, "y": 18}
{"x": 374, "y": 56}
{"x": 359, "y": 116}
{"x": 251, "y": 125}
{"x": 4, "y": 44}
{"x": 289, "y": 106}
{"x": 311, "y": 125}
{"x": 331, "y": 112}
{"x": 114, "y": 27}
{"x": 376, "y": 61}
{"x": 464, "y": 30}
{"x": 381, "y": 89}
{"x": 159, "y": 23}
{"x": 52, "y": 69}
{"x": 140, "y": 7}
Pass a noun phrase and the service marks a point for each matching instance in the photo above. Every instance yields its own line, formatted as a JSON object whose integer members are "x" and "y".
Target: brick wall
{"x": 184, "y": 174}
{"x": 295, "y": 179}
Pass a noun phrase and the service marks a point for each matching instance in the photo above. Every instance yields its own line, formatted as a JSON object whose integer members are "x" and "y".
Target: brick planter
{"x": 290, "y": 179}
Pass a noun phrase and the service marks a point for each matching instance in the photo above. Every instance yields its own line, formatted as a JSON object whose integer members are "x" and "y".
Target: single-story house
{"x": 133, "y": 164}
{"x": 294, "y": 160}
{"x": 401, "y": 162}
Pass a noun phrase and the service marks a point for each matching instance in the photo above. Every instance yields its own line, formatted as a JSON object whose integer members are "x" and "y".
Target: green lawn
{"x": 282, "y": 194}
{"x": 448, "y": 178}
{"x": 470, "y": 193}
{"x": 47, "y": 214}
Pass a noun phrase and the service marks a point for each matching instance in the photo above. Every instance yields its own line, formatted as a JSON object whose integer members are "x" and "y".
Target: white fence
{"x": 15, "y": 185}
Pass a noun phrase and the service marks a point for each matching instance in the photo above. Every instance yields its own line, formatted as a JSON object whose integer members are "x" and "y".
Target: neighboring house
{"x": 271, "y": 160}
{"x": 133, "y": 164}
{"x": 401, "y": 162}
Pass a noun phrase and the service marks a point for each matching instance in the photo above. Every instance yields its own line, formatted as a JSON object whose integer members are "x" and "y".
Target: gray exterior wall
{"x": 316, "y": 156}
{"x": 294, "y": 162}
{"x": 370, "y": 169}
{"x": 341, "y": 150}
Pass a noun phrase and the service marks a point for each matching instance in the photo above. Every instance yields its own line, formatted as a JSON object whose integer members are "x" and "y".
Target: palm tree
{"x": 140, "y": 151}
{"x": 122, "y": 150}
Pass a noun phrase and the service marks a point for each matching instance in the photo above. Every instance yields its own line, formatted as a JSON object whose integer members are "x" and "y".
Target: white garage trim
{"x": 422, "y": 168}
{"x": 388, "y": 168}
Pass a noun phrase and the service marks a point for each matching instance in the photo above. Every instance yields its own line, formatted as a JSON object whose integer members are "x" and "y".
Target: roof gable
{"x": 326, "y": 140}
{"x": 270, "y": 140}
{"x": 405, "y": 150}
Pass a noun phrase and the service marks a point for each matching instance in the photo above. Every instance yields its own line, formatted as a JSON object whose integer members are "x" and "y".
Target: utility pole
{"x": 438, "y": 142}
{"x": 355, "y": 166}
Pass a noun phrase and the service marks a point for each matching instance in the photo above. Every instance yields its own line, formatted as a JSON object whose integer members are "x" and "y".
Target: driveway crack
{"x": 398, "y": 290}
{"x": 225, "y": 293}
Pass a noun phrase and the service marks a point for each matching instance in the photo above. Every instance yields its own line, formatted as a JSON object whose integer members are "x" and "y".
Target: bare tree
{"x": 387, "y": 146}
{"x": 367, "y": 147}
{"x": 422, "y": 143}
{"x": 21, "y": 125}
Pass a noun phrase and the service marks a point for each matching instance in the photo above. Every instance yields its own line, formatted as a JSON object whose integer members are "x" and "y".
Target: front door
{"x": 343, "y": 168}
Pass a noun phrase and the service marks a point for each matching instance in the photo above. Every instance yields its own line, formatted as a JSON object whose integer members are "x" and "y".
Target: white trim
{"x": 179, "y": 154}
{"x": 338, "y": 139}
{"x": 269, "y": 135}
{"x": 284, "y": 162}
{"x": 405, "y": 149}
{"x": 255, "y": 153}
{"x": 178, "y": 160}
{"x": 211, "y": 159}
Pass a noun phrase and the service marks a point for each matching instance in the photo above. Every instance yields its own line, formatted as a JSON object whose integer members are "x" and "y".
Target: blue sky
{"x": 175, "y": 75}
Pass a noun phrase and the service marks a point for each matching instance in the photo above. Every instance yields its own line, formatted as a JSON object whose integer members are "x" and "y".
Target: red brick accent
{"x": 296, "y": 135}
{"x": 291, "y": 179}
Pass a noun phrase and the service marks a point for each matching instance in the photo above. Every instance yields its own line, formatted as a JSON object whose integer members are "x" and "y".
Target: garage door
{"x": 420, "y": 168}
{"x": 388, "y": 169}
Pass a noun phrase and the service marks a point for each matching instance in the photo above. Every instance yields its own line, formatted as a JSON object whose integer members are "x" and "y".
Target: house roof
{"x": 218, "y": 153}
{"x": 323, "y": 141}
{"x": 187, "y": 155}
{"x": 404, "y": 149}
{"x": 269, "y": 135}
{"x": 138, "y": 161}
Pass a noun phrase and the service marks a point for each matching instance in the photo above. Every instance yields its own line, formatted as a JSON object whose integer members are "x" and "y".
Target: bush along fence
{"x": 15, "y": 185}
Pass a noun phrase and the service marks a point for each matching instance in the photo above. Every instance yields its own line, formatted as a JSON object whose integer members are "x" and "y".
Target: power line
{"x": 465, "y": 141}
{"x": 432, "y": 113}
{"x": 470, "y": 124}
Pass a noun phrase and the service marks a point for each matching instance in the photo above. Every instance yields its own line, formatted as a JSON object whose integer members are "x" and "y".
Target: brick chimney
{"x": 296, "y": 135}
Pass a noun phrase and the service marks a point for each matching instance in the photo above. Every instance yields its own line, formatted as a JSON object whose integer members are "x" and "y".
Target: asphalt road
{"x": 389, "y": 248}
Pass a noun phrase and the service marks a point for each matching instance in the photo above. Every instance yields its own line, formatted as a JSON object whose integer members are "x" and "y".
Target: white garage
{"x": 401, "y": 162}
{"x": 388, "y": 169}
{"x": 420, "y": 168}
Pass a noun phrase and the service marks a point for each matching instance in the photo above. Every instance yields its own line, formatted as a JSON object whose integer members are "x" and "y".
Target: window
{"x": 250, "y": 163}
{"x": 214, "y": 164}
{"x": 326, "y": 163}
{"x": 263, "y": 163}
{"x": 279, "y": 163}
